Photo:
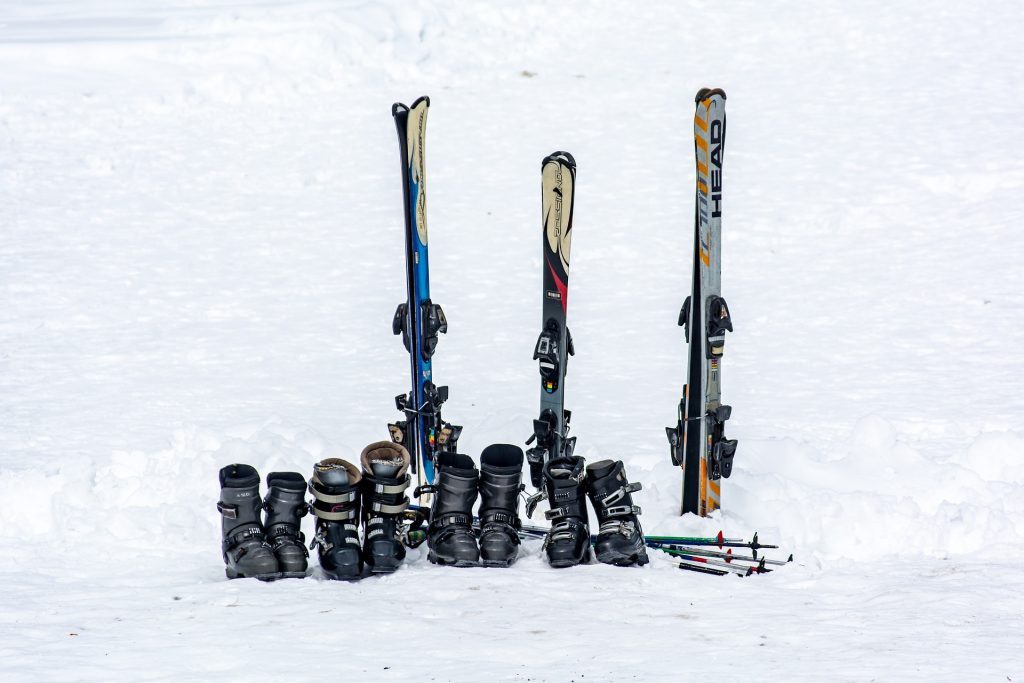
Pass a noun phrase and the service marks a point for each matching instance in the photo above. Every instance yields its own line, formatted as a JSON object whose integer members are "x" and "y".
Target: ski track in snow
{"x": 200, "y": 254}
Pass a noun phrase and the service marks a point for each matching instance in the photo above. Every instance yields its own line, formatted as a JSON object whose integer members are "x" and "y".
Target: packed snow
{"x": 201, "y": 252}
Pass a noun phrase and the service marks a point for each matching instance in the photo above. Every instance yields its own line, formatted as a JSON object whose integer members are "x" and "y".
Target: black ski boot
{"x": 568, "y": 542}
{"x": 335, "y": 489}
{"x": 450, "y": 534}
{"x": 501, "y": 480}
{"x": 285, "y": 507}
{"x": 384, "y": 483}
{"x": 245, "y": 549}
{"x": 620, "y": 540}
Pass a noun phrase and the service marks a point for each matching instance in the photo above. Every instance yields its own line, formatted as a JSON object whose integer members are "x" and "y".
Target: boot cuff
{"x": 239, "y": 476}
{"x": 502, "y": 455}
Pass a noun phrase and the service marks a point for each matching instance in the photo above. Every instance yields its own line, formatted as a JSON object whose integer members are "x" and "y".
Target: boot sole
{"x": 232, "y": 574}
{"x": 562, "y": 564}
{"x": 335, "y": 576}
{"x": 621, "y": 560}
{"x": 446, "y": 562}
{"x": 498, "y": 563}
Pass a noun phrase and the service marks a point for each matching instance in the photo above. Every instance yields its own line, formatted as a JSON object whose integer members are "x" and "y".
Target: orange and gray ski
{"x": 697, "y": 441}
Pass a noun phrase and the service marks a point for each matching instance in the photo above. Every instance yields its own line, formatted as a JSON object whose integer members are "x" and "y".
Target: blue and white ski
{"x": 423, "y": 432}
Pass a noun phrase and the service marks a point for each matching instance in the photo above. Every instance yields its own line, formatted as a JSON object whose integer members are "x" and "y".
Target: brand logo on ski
{"x": 717, "y": 133}
{"x": 558, "y": 182}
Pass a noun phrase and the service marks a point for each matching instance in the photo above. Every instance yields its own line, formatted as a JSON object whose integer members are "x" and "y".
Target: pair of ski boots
{"x": 265, "y": 547}
{"x": 620, "y": 539}
{"x": 346, "y": 497}
{"x": 450, "y": 536}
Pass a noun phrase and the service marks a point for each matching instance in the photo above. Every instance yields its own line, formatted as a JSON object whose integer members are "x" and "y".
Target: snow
{"x": 200, "y": 254}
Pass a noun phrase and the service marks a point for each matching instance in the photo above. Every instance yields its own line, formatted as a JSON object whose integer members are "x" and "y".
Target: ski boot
{"x": 620, "y": 540}
{"x": 568, "y": 542}
{"x": 245, "y": 549}
{"x": 450, "y": 534}
{"x": 384, "y": 483}
{"x": 501, "y": 480}
{"x": 285, "y": 508}
{"x": 335, "y": 489}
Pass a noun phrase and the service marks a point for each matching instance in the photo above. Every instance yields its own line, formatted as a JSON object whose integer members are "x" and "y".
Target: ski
{"x": 423, "y": 432}
{"x": 554, "y": 345}
{"x": 697, "y": 441}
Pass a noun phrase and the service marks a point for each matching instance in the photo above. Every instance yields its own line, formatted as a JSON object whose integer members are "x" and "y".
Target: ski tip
{"x": 721, "y": 539}
{"x": 790, "y": 558}
{"x": 705, "y": 93}
{"x": 399, "y": 108}
{"x": 423, "y": 98}
{"x": 560, "y": 157}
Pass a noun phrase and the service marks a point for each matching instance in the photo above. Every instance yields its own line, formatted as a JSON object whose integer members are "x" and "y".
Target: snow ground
{"x": 200, "y": 254}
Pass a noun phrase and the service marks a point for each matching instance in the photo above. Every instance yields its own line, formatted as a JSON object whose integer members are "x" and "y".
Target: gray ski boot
{"x": 285, "y": 507}
{"x": 450, "y": 534}
{"x": 385, "y": 479}
{"x": 245, "y": 549}
{"x": 501, "y": 480}
{"x": 620, "y": 539}
{"x": 335, "y": 489}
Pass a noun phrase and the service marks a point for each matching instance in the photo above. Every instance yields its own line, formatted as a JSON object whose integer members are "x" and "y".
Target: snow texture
{"x": 201, "y": 250}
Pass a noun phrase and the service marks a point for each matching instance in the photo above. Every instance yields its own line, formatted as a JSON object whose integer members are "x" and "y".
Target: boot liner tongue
{"x": 385, "y": 459}
{"x": 334, "y": 476}
{"x": 384, "y": 467}
{"x": 336, "y": 472}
